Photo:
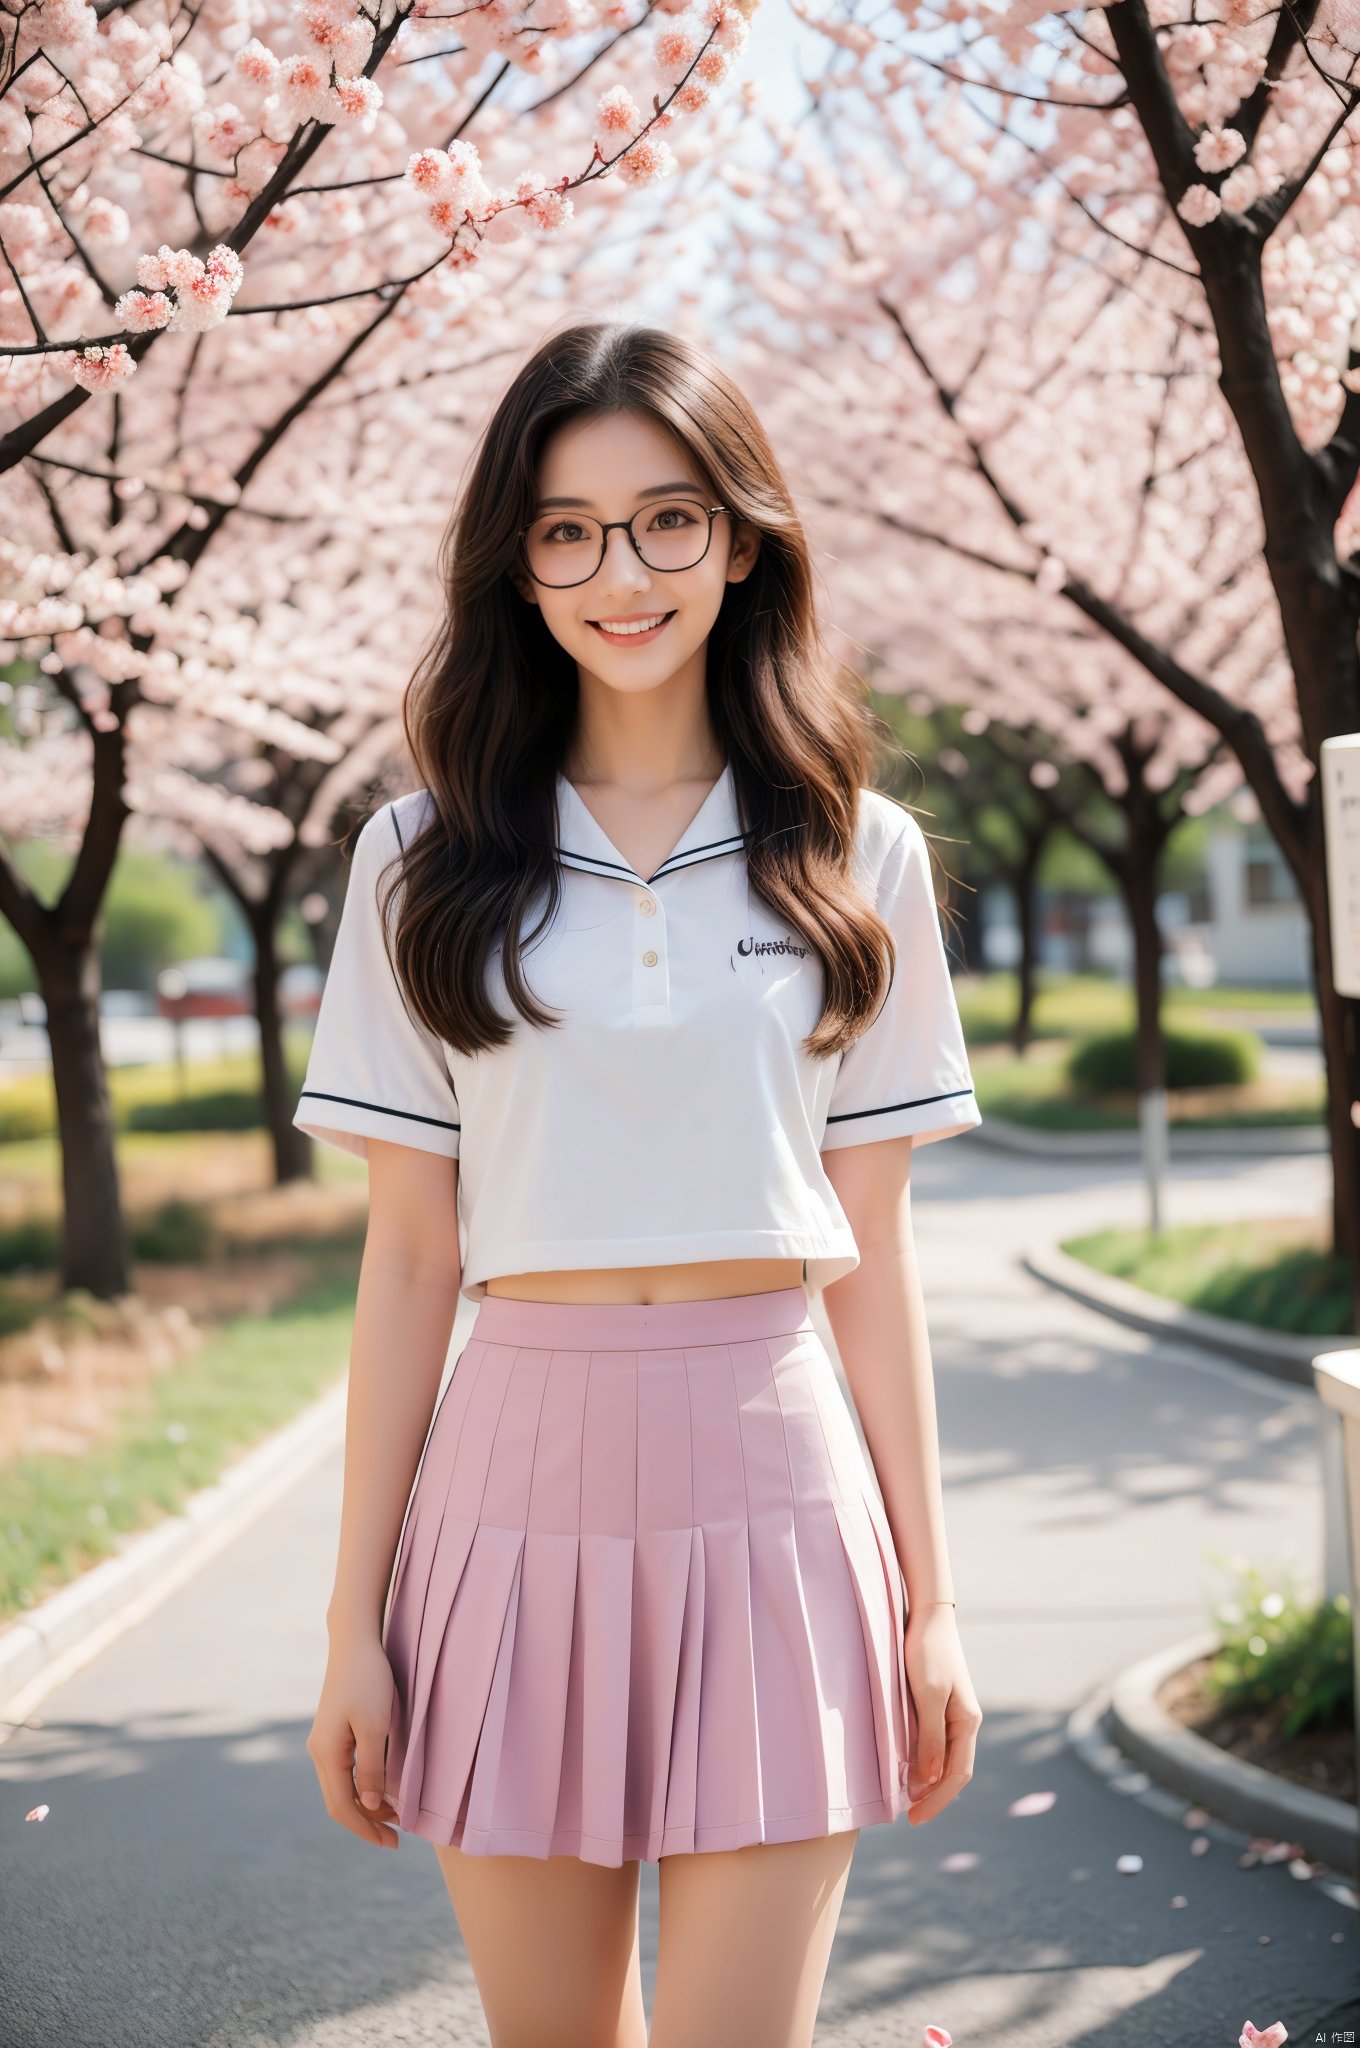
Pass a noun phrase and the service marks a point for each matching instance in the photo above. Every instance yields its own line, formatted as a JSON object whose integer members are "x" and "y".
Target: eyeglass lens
{"x": 566, "y": 547}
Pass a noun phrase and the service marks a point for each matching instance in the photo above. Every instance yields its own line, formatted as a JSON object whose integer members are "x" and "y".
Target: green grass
{"x": 1269, "y": 1272}
{"x": 252, "y": 1374}
{"x": 1037, "y": 1093}
{"x": 1071, "y": 1005}
{"x": 28, "y": 1103}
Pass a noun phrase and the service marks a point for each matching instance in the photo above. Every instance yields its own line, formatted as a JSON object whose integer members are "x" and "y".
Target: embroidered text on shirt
{"x": 753, "y": 946}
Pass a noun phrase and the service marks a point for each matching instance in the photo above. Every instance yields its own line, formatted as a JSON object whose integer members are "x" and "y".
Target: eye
{"x": 558, "y": 530}
{"x": 678, "y": 512}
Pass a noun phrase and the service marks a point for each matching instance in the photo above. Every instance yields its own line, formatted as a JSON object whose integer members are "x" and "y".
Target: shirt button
{"x": 647, "y": 905}
{"x": 649, "y": 959}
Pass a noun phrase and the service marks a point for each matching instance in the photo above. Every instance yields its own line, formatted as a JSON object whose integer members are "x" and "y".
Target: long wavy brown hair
{"x": 491, "y": 708}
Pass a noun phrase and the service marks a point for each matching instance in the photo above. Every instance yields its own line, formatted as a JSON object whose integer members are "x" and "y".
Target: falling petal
{"x": 1273, "y": 2036}
{"x": 1129, "y": 1864}
{"x": 1032, "y": 1802}
{"x": 1300, "y": 1867}
{"x": 1200, "y": 1846}
{"x": 936, "y": 2037}
{"x": 960, "y": 1859}
{"x": 38, "y": 1813}
{"x": 1195, "y": 1817}
{"x": 1180, "y": 1900}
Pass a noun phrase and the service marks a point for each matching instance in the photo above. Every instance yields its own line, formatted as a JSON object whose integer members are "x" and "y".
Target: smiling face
{"x": 611, "y": 467}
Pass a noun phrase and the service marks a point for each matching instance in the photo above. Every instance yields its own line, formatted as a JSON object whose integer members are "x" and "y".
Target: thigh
{"x": 746, "y": 1937}
{"x": 553, "y": 1943}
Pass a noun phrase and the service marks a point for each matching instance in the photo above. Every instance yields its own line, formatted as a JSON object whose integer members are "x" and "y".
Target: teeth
{"x": 635, "y": 626}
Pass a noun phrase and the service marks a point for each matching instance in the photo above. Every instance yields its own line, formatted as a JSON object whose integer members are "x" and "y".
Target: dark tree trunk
{"x": 64, "y": 942}
{"x": 292, "y": 1148}
{"x": 95, "y": 1252}
{"x": 1139, "y": 884}
{"x": 1026, "y": 917}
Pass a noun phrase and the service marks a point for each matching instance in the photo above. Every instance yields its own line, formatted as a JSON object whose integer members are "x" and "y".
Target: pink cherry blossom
{"x": 645, "y": 162}
{"x": 1219, "y": 148}
{"x": 1198, "y": 205}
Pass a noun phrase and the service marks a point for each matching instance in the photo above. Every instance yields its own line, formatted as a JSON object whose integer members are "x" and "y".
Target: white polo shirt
{"x": 673, "y": 1115}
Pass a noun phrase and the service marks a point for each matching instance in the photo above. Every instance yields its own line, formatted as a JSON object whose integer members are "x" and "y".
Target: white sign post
{"x": 1341, "y": 833}
{"x": 1339, "y": 1422}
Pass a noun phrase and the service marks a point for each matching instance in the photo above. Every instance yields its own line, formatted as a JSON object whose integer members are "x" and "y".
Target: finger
{"x": 370, "y": 1774}
{"x": 956, "y": 1773}
{"x": 927, "y": 1762}
{"x": 337, "y": 1784}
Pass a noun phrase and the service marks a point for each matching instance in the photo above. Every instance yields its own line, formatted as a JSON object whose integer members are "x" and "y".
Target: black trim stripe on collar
{"x": 592, "y": 864}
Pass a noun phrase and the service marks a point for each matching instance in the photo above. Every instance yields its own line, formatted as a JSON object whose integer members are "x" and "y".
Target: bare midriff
{"x": 706, "y": 1279}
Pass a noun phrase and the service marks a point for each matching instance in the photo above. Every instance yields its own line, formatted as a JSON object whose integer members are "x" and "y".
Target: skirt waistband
{"x": 633, "y": 1325}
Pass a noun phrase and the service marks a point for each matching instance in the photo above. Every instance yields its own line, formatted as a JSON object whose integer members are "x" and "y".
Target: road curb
{"x": 64, "y": 1631}
{"x": 1275, "y": 1352}
{"x": 1236, "y": 1791}
{"x": 1286, "y": 1141}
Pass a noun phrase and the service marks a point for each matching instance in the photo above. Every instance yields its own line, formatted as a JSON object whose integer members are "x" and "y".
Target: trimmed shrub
{"x": 226, "y": 1109}
{"x": 179, "y": 1233}
{"x": 1104, "y": 1064}
{"x": 32, "y": 1245}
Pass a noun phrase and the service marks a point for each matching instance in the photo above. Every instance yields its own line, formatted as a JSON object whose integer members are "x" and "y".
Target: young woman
{"x": 638, "y": 1006}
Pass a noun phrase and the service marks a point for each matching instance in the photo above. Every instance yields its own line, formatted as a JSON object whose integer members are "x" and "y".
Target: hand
{"x": 348, "y": 1738}
{"x": 947, "y": 1713}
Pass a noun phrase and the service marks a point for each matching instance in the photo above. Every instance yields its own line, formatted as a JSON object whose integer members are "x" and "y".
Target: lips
{"x": 612, "y": 633}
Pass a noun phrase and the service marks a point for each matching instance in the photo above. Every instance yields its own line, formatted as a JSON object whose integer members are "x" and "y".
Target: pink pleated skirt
{"x": 646, "y": 1601}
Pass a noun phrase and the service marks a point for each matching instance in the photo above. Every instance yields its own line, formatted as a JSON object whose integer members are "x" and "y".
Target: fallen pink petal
{"x": 38, "y": 1813}
{"x": 1032, "y": 1802}
{"x": 936, "y": 2037}
{"x": 1272, "y": 2036}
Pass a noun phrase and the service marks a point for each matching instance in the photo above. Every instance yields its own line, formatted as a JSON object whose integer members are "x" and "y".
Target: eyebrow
{"x": 652, "y": 491}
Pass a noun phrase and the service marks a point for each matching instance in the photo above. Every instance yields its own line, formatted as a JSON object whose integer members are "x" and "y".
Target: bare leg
{"x": 553, "y": 1944}
{"x": 746, "y": 1937}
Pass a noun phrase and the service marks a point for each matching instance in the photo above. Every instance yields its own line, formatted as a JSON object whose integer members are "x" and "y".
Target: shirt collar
{"x": 582, "y": 843}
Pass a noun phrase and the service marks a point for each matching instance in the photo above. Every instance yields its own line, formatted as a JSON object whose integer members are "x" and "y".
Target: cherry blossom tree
{"x": 1045, "y": 370}
{"x": 208, "y": 236}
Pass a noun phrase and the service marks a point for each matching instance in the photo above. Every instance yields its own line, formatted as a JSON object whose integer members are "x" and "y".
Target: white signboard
{"x": 1341, "y": 831}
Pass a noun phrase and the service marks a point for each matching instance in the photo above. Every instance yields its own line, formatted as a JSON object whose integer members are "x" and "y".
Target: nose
{"x": 622, "y": 567}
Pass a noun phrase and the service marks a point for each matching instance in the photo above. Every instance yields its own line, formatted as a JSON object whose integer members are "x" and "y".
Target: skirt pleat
{"x": 646, "y": 1600}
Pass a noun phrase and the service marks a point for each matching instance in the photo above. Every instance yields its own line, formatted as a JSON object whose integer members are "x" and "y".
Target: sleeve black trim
{"x": 845, "y": 1115}
{"x": 379, "y": 1108}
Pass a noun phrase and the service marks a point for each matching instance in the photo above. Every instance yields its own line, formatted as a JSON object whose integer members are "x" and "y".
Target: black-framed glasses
{"x": 564, "y": 548}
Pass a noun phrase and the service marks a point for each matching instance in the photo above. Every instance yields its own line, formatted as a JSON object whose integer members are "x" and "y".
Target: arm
{"x": 403, "y": 1319}
{"x": 878, "y": 1318}
{"x": 407, "y": 1300}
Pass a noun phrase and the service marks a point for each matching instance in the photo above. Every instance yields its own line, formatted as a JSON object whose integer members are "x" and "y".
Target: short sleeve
{"x": 373, "y": 1070}
{"x": 908, "y": 1073}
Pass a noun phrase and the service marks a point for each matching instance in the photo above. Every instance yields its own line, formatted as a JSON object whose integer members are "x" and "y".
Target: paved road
{"x": 187, "y": 1890}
